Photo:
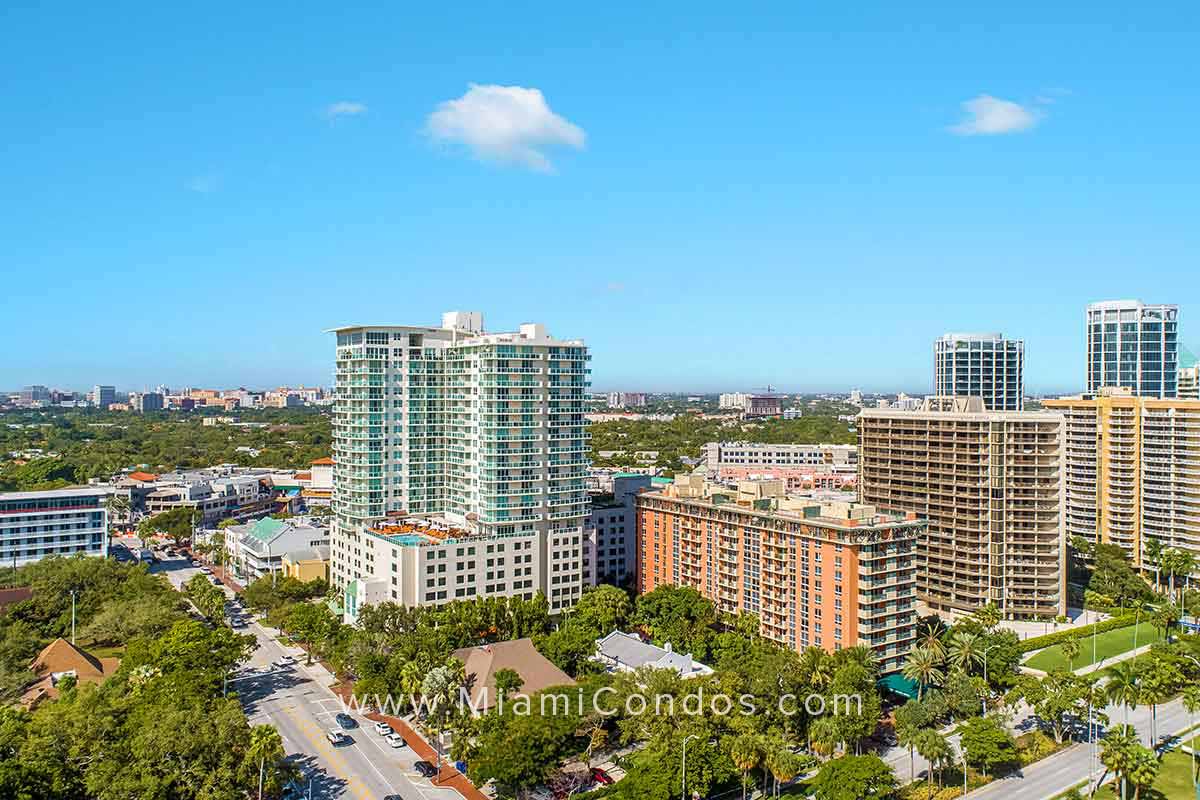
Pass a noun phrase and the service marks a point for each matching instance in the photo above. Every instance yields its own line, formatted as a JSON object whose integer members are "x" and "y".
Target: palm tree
{"x": 783, "y": 765}
{"x": 1124, "y": 686}
{"x": 265, "y": 745}
{"x": 1163, "y": 618}
{"x": 964, "y": 650}
{"x": 1070, "y": 648}
{"x": 1152, "y": 553}
{"x": 1117, "y": 753}
{"x": 1191, "y": 704}
{"x": 934, "y": 748}
{"x": 1143, "y": 770}
{"x": 818, "y": 666}
{"x": 824, "y": 735}
{"x": 745, "y": 751}
{"x": 1179, "y": 563}
{"x": 929, "y": 636}
{"x": 988, "y": 616}
{"x": 1161, "y": 680}
{"x": 924, "y": 668}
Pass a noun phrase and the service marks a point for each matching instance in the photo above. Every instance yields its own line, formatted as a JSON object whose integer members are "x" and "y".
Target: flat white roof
{"x": 71, "y": 491}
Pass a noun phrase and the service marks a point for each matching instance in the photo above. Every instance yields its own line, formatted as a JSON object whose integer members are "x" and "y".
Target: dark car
{"x": 345, "y": 722}
{"x": 602, "y": 777}
{"x": 425, "y": 769}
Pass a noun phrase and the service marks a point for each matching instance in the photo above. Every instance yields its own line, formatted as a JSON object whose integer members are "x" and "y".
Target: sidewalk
{"x": 1103, "y": 663}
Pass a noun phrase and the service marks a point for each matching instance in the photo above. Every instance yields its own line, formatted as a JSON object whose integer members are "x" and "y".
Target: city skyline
{"x": 833, "y": 202}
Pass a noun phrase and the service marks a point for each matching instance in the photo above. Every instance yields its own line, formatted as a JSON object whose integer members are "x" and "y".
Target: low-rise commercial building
{"x": 990, "y": 485}
{"x": 259, "y": 548}
{"x": 307, "y": 565}
{"x": 801, "y": 467}
{"x": 626, "y": 652}
{"x": 62, "y": 522}
{"x": 829, "y": 576}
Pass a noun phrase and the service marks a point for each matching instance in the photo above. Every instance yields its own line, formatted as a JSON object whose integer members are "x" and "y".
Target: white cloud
{"x": 345, "y": 108}
{"x": 507, "y": 124}
{"x": 204, "y": 184}
{"x": 988, "y": 115}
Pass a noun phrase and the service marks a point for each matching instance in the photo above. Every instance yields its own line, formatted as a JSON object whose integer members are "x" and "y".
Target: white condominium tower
{"x": 471, "y": 438}
{"x": 981, "y": 365}
{"x": 1133, "y": 345}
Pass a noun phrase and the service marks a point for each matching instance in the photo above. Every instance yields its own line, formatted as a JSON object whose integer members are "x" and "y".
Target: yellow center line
{"x": 341, "y": 768}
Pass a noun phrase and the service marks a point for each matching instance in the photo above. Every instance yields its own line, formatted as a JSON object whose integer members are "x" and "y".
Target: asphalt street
{"x": 297, "y": 701}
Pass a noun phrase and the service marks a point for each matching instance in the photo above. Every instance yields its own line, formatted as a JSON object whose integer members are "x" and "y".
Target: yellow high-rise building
{"x": 1132, "y": 470}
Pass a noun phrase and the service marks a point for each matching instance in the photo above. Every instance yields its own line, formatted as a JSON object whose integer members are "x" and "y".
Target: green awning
{"x": 898, "y": 684}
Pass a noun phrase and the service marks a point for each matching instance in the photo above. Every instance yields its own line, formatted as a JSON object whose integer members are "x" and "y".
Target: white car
{"x": 383, "y": 729}
{"x": 286, "y": 661}
{"x": 394, "y": 740}
{"x": 337, "y": 738}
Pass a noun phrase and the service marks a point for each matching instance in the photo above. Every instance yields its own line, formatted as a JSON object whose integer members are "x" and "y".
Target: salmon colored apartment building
{"x": 831, "y": 576}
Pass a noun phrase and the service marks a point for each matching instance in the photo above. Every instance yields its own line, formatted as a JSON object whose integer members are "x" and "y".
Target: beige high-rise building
{"x": 1132, "y": 470}
{"x": 1189, "y": 382}
{"x": 990, "y": 485}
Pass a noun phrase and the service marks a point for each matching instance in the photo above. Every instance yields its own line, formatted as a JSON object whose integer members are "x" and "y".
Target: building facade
{"x": 990, "y": 484}
{"x": 1132, "y": 470}
{"x": 800, "y": 466}
{"x": 62, "y": 522}
{"x": 146, "y": 401}
{"x": 610, "y": 532}
{"x": 627, "y": 399}
{"x": 733, "y": 401}
{"x": 832, "y": 576}
{"x": 481, "y": 432}
{"x": 1134, "y": 345}
{"x": 1188, "y": 383}
{"x": 104, "y": 396}
{"x": 982, "y": 365}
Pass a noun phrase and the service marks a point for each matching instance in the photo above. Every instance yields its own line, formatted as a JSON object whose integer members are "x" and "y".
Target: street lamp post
{"x": 983, "y": 700}
{"x": 683, "y": 767}
{"x": 73, "y": 593}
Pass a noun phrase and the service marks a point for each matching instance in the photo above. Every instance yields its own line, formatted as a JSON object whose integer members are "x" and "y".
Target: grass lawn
{"x": 1174, "y": 781}
{"x": 1108, "y": 644}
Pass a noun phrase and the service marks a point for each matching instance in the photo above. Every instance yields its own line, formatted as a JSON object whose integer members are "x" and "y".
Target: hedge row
{"x": 1058, "y": 637}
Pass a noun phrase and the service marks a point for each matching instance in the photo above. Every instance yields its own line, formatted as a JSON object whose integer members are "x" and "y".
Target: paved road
{"x": 1061, "y": 771}
{"x": 297, "y": 701}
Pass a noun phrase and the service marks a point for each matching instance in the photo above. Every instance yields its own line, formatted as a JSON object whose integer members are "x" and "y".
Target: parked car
{"x": 337, "y": 738}
{"x": 394, "y": 740}
{"x": 601, "y": 777}
{"x": 195, "y": 563}
{"x": 346, "y": 722}
{"x": 383, "y": 729}
{"x": 285, "y": 661}
{"x": 425, "y": 769}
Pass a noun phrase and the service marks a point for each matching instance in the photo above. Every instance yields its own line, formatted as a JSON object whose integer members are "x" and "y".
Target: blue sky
{"x": 713, "y": 198}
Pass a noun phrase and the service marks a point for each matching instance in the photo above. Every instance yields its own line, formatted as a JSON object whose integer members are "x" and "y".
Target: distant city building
{"x": 34, "y": 396}
{"x": 1134, "y": 345}
{"x": 856, "y": 398}
{"x": 800, "y": 466}
{"x": 146, "y": 401}
{"x": 495, "y": 450}
{"x": 794, "y": 412}
{"x": 219, "y": 493}
{"x": 734, "y": 401}
{"x": 990, "y": 485}
{"x": 829, "y": 576}
{"x": 981, "y": 365}
{"x": 104, "y": 396}
{"x": 1132, "y": 471}
{"x": 62, "y": 522}
{"x": 763, "y": 405}
{"x": 610, "y": 531}
{"x": 626, "y": 399}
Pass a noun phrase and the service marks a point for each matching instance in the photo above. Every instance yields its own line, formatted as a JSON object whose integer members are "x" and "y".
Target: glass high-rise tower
{"x": 481, "y": 432}
{"x": 1133, "y": 345}
{"x": 981, "y": 365}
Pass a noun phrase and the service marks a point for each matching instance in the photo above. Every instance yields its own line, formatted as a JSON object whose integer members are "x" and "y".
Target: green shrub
{"x": 1058, "y": 637}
